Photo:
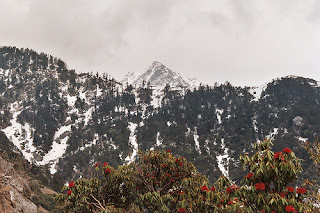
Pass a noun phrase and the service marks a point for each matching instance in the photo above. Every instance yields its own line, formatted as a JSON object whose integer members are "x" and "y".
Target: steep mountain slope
{"x": 70, "y": 121}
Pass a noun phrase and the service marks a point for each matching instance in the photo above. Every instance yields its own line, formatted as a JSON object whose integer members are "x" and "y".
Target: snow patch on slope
{"x": 219, "y": 113}
{"x": 159, "y": 142}
{"x": 256, "y": 91}
{"x": 273, "y": 133}
{"x": 58, "y": 148}
{"x": 88, "y": 115}
{"x": 223, "y": 160}
{"x": 157, "y": 95}
{"x": 196, "y": 140}
{"x": 302, "y": 139}
{"x": 20, "y": 135}
{"x": 133, "y": 141}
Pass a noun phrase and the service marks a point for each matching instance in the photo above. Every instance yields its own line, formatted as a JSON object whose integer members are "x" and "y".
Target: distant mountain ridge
{"x": 159, "y": 75}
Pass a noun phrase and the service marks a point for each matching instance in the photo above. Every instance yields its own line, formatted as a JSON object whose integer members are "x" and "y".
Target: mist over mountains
{"x": 67, "y": 121}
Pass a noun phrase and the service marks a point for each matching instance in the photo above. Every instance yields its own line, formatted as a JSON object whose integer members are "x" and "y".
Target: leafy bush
{"x": 161, "y": 182}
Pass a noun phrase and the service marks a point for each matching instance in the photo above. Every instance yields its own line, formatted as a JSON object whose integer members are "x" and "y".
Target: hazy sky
{"x": 245, "y": 42}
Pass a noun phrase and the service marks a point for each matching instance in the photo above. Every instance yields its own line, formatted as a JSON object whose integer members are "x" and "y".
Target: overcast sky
{"x": 245, "y": 42}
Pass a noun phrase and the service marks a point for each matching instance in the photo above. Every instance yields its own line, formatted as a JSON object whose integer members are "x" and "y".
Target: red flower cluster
{"x": 301, "y": 190}
{"x": 290, "y": 189}
{"x": 230, "y": 202}
{"x": 277, "y": 155}
{"x": 232, "y": 188}
{"x": 181, "y": 210}
{"x": 69, "y": 192}
{"x": 229, "y": 190}
{"x": 97, "y": 164}
{"x": 290, "y": 209}
{"x": 204, "y": 188}
{"x": 177, "y": 160}
{"x": 164, "y": 165}
{"x": 105, "y": 164}
{"x": 260, "y": 186}
{"x": 168, "y": 150}
{"x": 213, "y": 189}
{"x": 249, "y": 175}
{"x": 71, "y": 184}
{"x": 108, "y": 170}
{"x": 287, "y": 150}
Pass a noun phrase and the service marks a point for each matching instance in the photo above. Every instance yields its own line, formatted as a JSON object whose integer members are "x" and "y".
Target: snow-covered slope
{"x": 159, "y": 75}
{"x": 257, "y": 90}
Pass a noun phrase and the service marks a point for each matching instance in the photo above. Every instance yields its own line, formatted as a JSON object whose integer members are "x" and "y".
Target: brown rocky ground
{"x": 15, "y": 192}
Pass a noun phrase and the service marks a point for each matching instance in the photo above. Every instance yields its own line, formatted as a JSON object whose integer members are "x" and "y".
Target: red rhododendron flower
{"x": 108, "y": 170}
{"x": 181, "y": 164}
{"x": 290, "y": 209}
{"x": 249, "y": 175}
{"x": 277, "y": 155}
{"x": 260, "y": 186}
{"x": 230, "y": 202}
{"x": 105, "y": 164}
{"x": 164, "y": 165}
{"x": 181, "y": 210}
{"x": 287, "y": 150}
{"x": 71, "y": 184}
{"x": 290, "y": 189}
{"x": 168, "y": 150}
{"x": 213, "y": 189}
{"x": 177, "y": 160}
{"x": 229, "y": 190}
{"x": 282, "y": 194}
{"x": 69, "y": 192}
{"x": 301, "y": 190}
{"x": 96, "y": 165}
{"x": 220, "y": 205}
{"x": 204, "y": 188}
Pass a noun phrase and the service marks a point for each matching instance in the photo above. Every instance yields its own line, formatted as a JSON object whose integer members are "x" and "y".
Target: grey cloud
{"x": 244, "y": 42}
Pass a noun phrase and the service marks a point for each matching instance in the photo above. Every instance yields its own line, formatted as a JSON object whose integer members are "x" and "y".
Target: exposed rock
{"x": 14, "y": 190}
{"x": 297, "y": 121}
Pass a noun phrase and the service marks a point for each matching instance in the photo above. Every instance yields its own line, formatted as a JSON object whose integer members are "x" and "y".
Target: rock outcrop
{"x": 14, "y": 190}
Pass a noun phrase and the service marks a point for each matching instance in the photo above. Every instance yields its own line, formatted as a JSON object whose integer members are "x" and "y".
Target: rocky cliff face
{"x": 14, "y": 190}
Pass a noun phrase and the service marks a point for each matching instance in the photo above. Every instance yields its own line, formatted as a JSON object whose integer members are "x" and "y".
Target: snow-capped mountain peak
{"x": 160, "y": 75}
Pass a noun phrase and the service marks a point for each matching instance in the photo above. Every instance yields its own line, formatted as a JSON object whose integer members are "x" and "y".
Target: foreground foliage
{"x": 161, "y": 182}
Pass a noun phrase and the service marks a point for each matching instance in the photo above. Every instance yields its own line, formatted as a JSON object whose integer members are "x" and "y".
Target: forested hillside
{"x": 69, "y": 121}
